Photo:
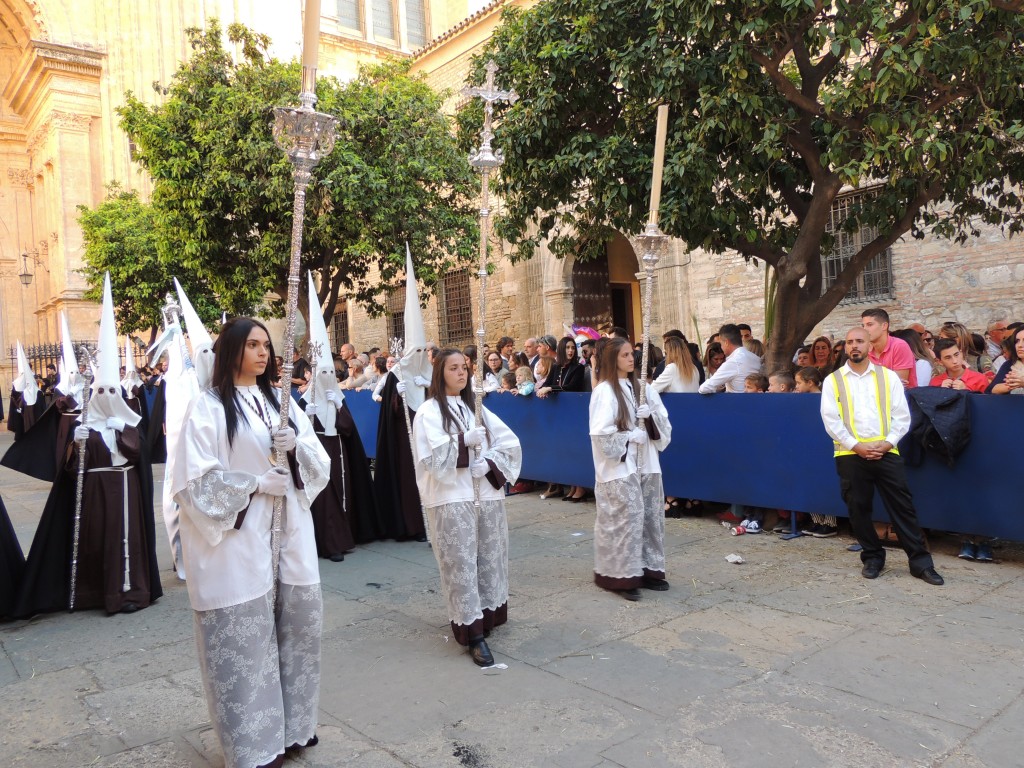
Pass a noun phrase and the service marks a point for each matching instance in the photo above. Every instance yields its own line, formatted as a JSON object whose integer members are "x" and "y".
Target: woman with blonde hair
{"x": 680, "y": 374}
{"x": 976, "y": 359}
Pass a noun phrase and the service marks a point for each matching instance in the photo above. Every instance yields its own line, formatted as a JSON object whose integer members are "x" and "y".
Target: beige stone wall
{"x": 65, "y": 66}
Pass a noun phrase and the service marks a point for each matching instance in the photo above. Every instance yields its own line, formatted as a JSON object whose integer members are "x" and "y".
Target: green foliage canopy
{"x": 776, "y": 107}
{"x": 223, "y": 190}
{"x": 122, "y": 236}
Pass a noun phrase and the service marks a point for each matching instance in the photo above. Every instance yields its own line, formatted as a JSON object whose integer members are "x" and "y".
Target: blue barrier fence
{"x": 769, "y": 451}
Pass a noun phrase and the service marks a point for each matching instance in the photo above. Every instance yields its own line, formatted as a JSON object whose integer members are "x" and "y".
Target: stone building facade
{"x": 65, "y": 66}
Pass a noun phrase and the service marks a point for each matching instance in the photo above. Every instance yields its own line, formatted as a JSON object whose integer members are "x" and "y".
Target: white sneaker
{"x": 752, "y": 526}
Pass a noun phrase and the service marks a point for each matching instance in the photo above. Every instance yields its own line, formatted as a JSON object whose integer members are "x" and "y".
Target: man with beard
{"x": 865, "y": 411}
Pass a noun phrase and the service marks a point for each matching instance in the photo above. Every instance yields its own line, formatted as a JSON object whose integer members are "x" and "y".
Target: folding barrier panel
{"x": 769, "y": 451}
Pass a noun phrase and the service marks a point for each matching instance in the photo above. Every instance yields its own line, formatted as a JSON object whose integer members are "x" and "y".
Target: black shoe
{"x": 339, "y": 558}
{"x": 871, "y": 570}
{"x": 632, "y": 595}
{"x": 421, "y": 539}
{"x": 129, "y": 608}
{"x": 481, "y": 654}
{"x": 658, "y": 585}
{"x": 931, "y": 576}
{"x": 299, "y": 747}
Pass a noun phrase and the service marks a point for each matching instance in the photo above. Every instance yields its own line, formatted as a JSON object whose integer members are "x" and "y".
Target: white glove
{"x": 419, "y": 381}
{"x": 116, "y": 424}
{"x": 332, "y": 396}
{"x": 400, "y": 386}
{"x": 643, "y": 411}
{"x": 81, "y": 433}
{"x": 274, "y": 482}
{"x": 479, "y": 468}
{"x": 283, "y": 439}
{"x": 638, "y": 436}
{"x": 311, "y": 409}
{"x": 473, "y": 437}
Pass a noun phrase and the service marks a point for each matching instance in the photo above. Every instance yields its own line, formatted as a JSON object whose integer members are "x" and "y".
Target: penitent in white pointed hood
{"x": 106, "y": 401}
{"x": 324, "y": 377}
{"x": 416, "y": 357}
{"x": 25, "y": 382}
{"x": 69, "y": 380}
{"x": 199, "y": 339}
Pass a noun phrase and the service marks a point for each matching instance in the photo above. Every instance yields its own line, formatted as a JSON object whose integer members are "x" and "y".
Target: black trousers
{"x": 858, "y": 479}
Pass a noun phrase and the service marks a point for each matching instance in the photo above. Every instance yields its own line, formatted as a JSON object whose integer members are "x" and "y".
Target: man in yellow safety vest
{"x": 865, "y": 411}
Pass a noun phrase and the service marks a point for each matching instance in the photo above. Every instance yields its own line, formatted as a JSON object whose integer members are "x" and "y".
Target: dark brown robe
{"x": 100, "y": 572}
{"x": 400, "y": 513}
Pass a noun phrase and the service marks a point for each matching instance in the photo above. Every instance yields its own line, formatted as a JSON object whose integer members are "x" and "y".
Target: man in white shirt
{"x": 739, "y": 363}
{"x": 859, "y": 401}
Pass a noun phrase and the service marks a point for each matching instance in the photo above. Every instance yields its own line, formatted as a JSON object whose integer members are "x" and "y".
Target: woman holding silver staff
{"x": 260, "y": 659}
{"x": 629, "y": 532}
{"x": 461, "y": 470}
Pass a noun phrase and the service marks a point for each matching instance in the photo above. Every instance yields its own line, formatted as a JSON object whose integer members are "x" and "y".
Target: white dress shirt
{"x": 733, "y": 372}
{"x": 671, "y": 380}
{"x": 863, "y": 394}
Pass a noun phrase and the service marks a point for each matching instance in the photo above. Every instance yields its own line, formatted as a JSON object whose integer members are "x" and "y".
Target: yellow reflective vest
{"x": 882, "y": 401}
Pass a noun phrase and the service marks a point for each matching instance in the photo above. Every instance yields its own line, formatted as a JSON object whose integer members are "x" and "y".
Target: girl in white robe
{"x": 629, "y": 531}
{"x": 260, "y": 659}
{"x": 453, "y": 454}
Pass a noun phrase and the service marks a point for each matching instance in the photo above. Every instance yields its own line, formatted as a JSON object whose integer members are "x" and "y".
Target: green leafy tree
{"x": 223, "y": 191}
{"x": 122, "y": 236}
{"x": 776, "y": 107}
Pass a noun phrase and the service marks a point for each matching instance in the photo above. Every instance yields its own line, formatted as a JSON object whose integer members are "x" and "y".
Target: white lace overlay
{"x": 472, "y": 555}
{"x": 214, "y": 500}
{"x": 312, "y": 471}
{"x": 612, "y": 446}
{"x": 619, "y": 528}
{"x": 443, "y": 458}
{"x": 653, "y": 555}
{"x": 509, "y": 461}
{"x": 261, "y": 673}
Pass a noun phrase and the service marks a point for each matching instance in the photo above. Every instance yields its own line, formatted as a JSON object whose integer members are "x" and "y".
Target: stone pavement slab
{"x": 791, "y": 659}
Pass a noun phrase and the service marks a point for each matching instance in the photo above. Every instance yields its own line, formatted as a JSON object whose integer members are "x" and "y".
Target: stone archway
{"x": 606, "y": 291}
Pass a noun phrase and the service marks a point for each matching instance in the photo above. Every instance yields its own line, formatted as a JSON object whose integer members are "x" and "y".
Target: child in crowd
{"x": 956, "y": 374}
{"x": 755, "y": 383}
{"x": 781, "y": 382}
{"x": 524, "y": 380}
{"x": 808, "y": 380}
{"x": 803, "y": 357}
{"x": 751, "y": 518}
{"x": 508, "y": 382}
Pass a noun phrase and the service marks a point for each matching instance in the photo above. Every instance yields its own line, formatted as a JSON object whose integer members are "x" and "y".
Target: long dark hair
{"x": 1012, "y": 354}
{"x": 609, "y": 371}
{"x": 438, "y": 391}
{"x": 561, "y": 357}
{"x": 229, "y": 350}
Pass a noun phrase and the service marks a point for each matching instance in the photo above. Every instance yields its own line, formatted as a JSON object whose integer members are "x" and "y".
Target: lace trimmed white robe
{"x": 260, "y": 665}
{"x": 471, "y": 548}
{"x": 629, "y": 530}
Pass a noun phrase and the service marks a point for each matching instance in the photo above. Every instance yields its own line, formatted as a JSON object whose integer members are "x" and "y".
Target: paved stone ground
{"x": 791, "y": 659}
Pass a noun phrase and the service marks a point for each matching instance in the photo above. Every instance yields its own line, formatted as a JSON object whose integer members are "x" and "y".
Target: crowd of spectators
{"x": 731, "y": 361}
